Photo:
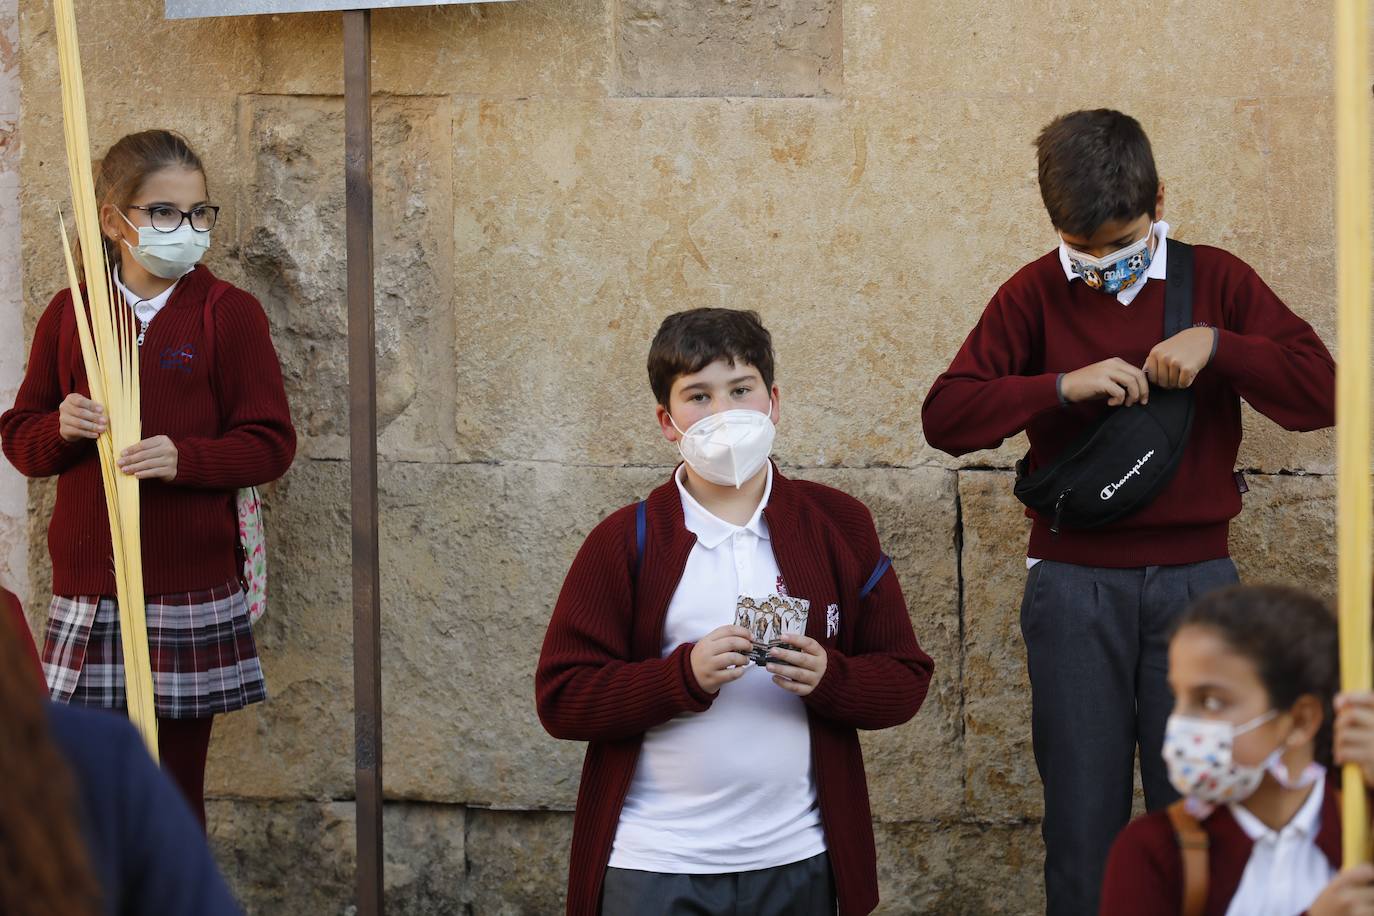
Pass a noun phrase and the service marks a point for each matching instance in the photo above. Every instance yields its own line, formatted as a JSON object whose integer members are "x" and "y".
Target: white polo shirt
{"x": 145, "y": 310}
{"x": 1286, "y": 871}
{"x": 729, "y": 789}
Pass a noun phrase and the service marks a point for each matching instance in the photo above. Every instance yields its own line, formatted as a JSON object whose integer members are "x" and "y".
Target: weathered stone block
{"x": 300, "y": 742}
{"x": 1000, "y": 778}
{"x": 518, "y": 861}
{"x": 185, "y": 60}
{"x": 802, "y": 210}
{"x": 959, "y": 870}
{"x": 1287, "y": 533}
{"x": 472, "y": 560}
{"x": 811, "y": 212}
{"x": 299, "y": 856}
{"x": 543, "y": 48}
{"x": 470, "y": 581}
{"x": 293, "y": 255}
{"x": 775, "y": 48}
{"x": 914, "y": 770}
{"x": 899, "y": 49}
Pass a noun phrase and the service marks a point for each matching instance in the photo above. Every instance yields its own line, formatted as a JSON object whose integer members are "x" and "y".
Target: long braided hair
{"x": 44, "y": 867}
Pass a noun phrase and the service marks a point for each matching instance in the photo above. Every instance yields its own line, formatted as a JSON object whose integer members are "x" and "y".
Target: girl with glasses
{"x": 215, "y": 419}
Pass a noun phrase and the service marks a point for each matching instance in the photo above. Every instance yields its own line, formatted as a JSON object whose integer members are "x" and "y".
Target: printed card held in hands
{"x": 767, "y": 619}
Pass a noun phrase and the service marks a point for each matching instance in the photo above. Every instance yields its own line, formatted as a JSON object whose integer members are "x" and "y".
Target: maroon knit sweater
{"x": 601, "y": 678}
{"x": 1039, "y": 325}
{"x": 1145, "y": 869}
{"x": 230, "y": 432}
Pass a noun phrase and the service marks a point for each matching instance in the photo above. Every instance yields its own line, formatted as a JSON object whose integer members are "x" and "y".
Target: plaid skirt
{"x": 204, "y": 659}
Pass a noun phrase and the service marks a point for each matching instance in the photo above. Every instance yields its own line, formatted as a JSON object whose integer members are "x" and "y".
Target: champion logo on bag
{"x": 1110, "y": 489}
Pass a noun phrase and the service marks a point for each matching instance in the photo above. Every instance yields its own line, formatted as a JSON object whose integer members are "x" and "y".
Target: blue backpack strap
{"x": 641, "y": 532}
{"x": 884, "y": 564}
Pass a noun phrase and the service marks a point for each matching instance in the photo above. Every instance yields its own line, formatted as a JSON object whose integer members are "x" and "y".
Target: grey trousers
{"x": 1097, "y": 646}
{"x": 804, "y": 888}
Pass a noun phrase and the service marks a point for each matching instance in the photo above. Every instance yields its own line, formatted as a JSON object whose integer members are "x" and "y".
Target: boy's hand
{"x": 155, "y": 457}
{"x": 1114, "y": 379}
{"x": 798, "y": 671}
{"x": 1350, "y": 893}
{"x": 1176, "y": 362}
{"x": 80, "y": 418}
{"x": 719, "y": 657}
{"x": 1354, "y": 739}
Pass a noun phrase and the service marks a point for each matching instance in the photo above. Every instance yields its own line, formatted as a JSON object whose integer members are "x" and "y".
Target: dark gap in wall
{"x": 959, "y": 577}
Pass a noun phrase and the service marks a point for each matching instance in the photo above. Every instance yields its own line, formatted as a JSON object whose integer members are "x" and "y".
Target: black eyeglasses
{"x": 166, "y": 218}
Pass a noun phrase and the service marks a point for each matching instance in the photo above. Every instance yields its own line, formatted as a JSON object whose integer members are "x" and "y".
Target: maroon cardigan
{"x": 1145, "y": 870}
{"x": 601, "y": 678}
{"x": 229, "y": 421}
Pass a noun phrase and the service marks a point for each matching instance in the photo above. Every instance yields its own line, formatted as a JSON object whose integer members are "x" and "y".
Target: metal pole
{"x": 362, "y": 393}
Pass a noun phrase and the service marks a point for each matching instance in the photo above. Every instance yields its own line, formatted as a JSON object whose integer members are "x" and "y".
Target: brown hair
{"x": 690, "y": 341}
{"x": 44, "y": 868}
{"x": 126, "y": 166}
{"x": 1288, "y": 634}
{"x": 1095, "y": 166}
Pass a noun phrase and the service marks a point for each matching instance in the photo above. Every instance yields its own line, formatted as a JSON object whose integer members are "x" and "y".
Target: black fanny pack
{"x": 1123, "y": 461}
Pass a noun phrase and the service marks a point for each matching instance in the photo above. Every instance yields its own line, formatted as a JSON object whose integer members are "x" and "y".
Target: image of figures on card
{"x": 767, "y": 619}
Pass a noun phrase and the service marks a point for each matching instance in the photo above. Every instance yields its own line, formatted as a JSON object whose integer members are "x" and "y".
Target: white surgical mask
{"x": 169, "y": 255}
{"x": 729, "y": 447}
{"x": 1198, "y": 753}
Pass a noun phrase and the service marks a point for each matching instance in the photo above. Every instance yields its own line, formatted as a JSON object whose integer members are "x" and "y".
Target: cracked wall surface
{"x": 552, "y": 179}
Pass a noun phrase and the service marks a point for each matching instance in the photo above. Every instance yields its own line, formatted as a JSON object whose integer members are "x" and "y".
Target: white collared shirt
{"x": 729, "y": 789}
{"x": 1155, "y": 271}
{"x": 1286, "y": 871}
{"x": 145, "y": 310}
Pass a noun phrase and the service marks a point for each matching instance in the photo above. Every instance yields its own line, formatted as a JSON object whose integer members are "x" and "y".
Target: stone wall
{"x": 14, "y": 535}
{"x": 553, "y": 177}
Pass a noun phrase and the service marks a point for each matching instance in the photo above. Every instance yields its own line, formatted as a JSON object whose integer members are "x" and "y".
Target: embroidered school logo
{"x": 178, "y": 358}
{"x": 832, "y": 620}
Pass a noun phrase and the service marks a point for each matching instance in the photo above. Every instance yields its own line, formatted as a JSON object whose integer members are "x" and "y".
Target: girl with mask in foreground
{"x": 215, "y": 419}
{"x": 1254, "y": 671}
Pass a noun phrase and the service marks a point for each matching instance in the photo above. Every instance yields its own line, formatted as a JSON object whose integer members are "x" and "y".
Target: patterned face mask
{"x": 1117, "y": 271}
{"x": 1198, "y": 755}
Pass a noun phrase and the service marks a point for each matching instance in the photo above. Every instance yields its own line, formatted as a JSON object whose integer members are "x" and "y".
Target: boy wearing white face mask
{"x": 1255, "y": 671}
{"x": 1072, "y": 335}
{"x": 712, "y": 784}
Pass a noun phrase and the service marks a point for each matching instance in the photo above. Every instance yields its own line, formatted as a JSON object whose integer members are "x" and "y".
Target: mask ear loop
{"x": 1275, "y": 766}
{"x": 131, "y": 225}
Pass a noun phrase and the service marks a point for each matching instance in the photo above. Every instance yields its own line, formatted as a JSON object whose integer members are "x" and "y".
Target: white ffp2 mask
{"x": 729, "y": 447}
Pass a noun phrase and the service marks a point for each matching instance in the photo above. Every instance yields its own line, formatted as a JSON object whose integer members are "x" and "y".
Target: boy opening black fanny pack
{"x": 1123, "y": 461}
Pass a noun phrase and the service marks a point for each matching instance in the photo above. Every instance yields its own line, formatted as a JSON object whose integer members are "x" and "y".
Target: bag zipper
{"x": 1059, "y": 512}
